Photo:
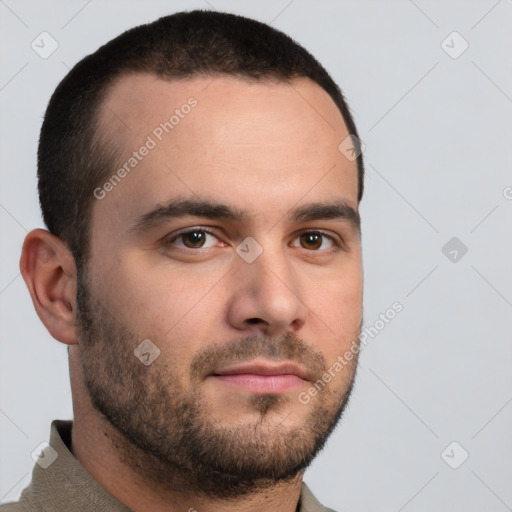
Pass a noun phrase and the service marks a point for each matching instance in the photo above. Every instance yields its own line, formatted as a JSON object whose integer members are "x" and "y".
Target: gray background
{"x": 438, "y": 155}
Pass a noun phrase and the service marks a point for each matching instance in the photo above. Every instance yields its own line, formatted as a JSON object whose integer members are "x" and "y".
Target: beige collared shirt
{"x": 65, "y": 486}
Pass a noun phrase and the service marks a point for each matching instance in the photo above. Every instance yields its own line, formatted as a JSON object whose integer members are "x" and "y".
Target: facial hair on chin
{"x": 167, "y": 433}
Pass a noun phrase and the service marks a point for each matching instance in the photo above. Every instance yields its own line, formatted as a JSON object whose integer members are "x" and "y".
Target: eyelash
{"x": 170, "y": 240}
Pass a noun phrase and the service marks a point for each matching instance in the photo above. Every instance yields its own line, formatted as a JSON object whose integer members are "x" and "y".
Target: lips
{"x": 265, "y": 369}
{"x": 263, "y": 377}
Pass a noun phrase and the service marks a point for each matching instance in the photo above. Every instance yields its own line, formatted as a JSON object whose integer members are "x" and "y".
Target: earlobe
{"x": 49, "y": 271}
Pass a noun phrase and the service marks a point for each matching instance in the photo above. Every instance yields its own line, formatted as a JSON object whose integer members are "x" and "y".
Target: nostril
{"x": 254, "y": 320}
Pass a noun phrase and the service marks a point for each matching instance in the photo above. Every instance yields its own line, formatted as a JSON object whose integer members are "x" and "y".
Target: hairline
{"x": 98, "y": 124}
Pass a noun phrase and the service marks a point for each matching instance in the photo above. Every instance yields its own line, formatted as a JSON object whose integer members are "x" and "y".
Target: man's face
{"x": 243, "y": 325}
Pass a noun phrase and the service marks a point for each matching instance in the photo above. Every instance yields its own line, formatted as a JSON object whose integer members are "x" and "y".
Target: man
{"x": 200, "y": 179}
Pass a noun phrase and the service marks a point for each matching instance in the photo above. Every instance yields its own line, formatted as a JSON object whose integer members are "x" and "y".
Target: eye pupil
{"x": 194, "y": 239}
{"x": 312, "y": 240}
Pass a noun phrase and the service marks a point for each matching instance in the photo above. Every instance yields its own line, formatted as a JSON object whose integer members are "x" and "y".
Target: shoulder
{"x": 36, "y": 496}
{"x": 13, "y": 507}
{"x": 26, "y": 502}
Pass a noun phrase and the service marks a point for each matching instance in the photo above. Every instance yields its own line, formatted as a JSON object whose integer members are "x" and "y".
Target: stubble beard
{"x": 170, "y": 436}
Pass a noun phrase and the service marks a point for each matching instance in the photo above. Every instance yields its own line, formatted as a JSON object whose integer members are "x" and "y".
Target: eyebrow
{"x": 338, "y": 209}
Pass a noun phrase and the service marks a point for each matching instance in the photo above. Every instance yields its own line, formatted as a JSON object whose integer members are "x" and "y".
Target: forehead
{"x": 260, "y": 145}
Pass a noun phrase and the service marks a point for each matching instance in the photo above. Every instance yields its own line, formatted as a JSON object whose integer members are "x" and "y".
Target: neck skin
{"x": 104, "y": 463}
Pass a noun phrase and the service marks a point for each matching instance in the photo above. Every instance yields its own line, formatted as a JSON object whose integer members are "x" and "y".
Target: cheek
{"x": 170, "y": 306}
{"x": 338, "y": 306}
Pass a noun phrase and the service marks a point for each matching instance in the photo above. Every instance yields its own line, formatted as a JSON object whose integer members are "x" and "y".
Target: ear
{"x": 49, "y": 271}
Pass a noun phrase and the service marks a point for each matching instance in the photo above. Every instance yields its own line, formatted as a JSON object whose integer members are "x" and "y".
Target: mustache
{"x": 288, "y": 347}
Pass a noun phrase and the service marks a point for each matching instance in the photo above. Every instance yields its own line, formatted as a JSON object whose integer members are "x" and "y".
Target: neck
{"x": 120, "y": 468}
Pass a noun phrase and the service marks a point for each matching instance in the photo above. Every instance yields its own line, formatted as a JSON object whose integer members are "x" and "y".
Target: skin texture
{"x": 267, "y": 148}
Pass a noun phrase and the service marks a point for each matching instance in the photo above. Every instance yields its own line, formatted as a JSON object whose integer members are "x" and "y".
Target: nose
{"x": 267, "y": 297}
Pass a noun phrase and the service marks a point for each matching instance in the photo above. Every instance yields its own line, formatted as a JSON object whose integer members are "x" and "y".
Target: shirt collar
{"x": 65, "y": 484}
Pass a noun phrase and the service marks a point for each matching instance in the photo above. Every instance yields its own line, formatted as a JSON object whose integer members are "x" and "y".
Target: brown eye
{"x": 311, "y": 240}
{"x": 315, "y": 240}
{"x": 193, "y": 239}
